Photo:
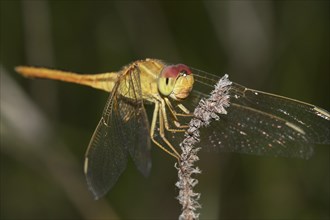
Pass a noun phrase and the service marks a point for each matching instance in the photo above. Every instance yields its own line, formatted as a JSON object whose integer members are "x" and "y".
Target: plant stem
{"x": 206, "y": 111}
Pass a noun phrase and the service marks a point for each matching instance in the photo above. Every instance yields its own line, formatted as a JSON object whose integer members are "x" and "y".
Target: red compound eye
{"x": 173, "y": 71}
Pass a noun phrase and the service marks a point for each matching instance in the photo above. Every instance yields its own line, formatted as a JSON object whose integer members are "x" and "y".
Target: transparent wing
{"x": 133, "y": 114}
{"x": 123, "y": 128}
{"x": 261, "y": 123}
{"x": 106, "y": 156}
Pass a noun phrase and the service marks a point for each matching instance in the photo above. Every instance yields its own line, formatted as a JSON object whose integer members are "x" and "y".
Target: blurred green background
{"x": 279, "y": 47}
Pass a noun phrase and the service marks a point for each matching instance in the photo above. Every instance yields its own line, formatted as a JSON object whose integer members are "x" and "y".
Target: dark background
{"x": 279, "y": 47}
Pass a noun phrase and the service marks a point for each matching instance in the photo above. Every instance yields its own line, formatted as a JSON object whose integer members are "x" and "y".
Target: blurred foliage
{"x": 275, "y": 46}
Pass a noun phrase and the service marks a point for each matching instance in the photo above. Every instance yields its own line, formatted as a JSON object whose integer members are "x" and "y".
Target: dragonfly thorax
{"x": 175, "y": 81}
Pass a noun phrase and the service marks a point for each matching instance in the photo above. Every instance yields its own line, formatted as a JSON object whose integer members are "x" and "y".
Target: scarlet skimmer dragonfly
{"x": 257, "y": 123}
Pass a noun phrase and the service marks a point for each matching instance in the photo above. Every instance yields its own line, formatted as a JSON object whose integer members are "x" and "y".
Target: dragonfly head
{"x": 176, "y": 81}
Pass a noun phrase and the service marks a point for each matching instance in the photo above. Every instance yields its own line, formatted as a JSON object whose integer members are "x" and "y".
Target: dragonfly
{"x": 256, "y": 122}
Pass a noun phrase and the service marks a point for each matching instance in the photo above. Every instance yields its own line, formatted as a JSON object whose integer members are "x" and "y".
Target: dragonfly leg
{"x": 152, "y": 133}
{"x": 186, "y": 112}
{"x": 175, "y": 114}
{"x": 165, "y": 119}
{"x": 162, "y": 133}
{"x": 170, "y": 107}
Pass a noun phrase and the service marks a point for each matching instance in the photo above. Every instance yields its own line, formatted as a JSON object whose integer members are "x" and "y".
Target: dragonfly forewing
{"x": 122, "y": 130}
{"x": 106, "y": 157}
{"x": 260, "y": 123}
{"x": 135, "y": 121}
{"x": 312, "y": 122}
{"x": 245, "y": 130}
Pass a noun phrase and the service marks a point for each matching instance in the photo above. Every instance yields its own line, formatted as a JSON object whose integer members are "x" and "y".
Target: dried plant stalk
{"x": 206, "y": 111}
